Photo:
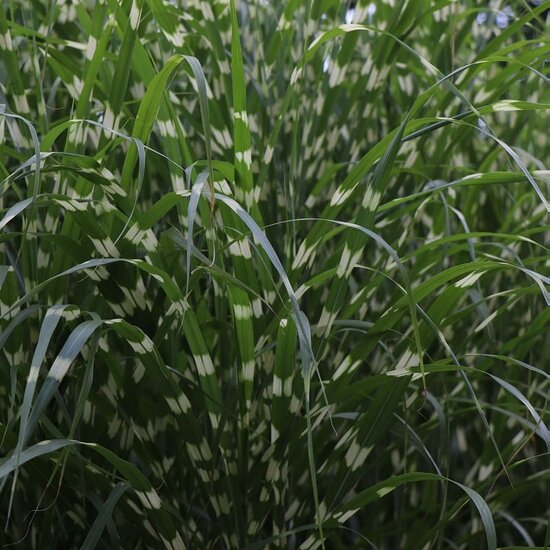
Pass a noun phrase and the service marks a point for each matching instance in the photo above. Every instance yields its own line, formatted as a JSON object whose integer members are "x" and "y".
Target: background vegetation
{"x": 274, "y": 274}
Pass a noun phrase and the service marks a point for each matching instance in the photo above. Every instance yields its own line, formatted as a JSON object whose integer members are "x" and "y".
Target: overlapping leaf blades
{"x": 273, "y": 262}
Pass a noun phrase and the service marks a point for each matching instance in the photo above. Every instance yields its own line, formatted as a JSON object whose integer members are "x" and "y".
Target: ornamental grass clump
{"x": 274, "y": 274}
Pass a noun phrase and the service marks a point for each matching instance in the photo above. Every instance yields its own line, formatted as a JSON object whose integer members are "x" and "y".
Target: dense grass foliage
{"x": 274, "y": 274}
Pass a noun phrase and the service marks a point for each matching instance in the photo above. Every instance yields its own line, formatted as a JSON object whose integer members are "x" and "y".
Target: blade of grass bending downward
{"x": 51, "y": 320}
{"x": 415, "y": 307}
{"x": 74, "y": 344}
{"x": 302, "y": 325}
{"x": 150, "y": 106}
{"x": 196, "y": 192}
{"x": 384, "y": 487}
